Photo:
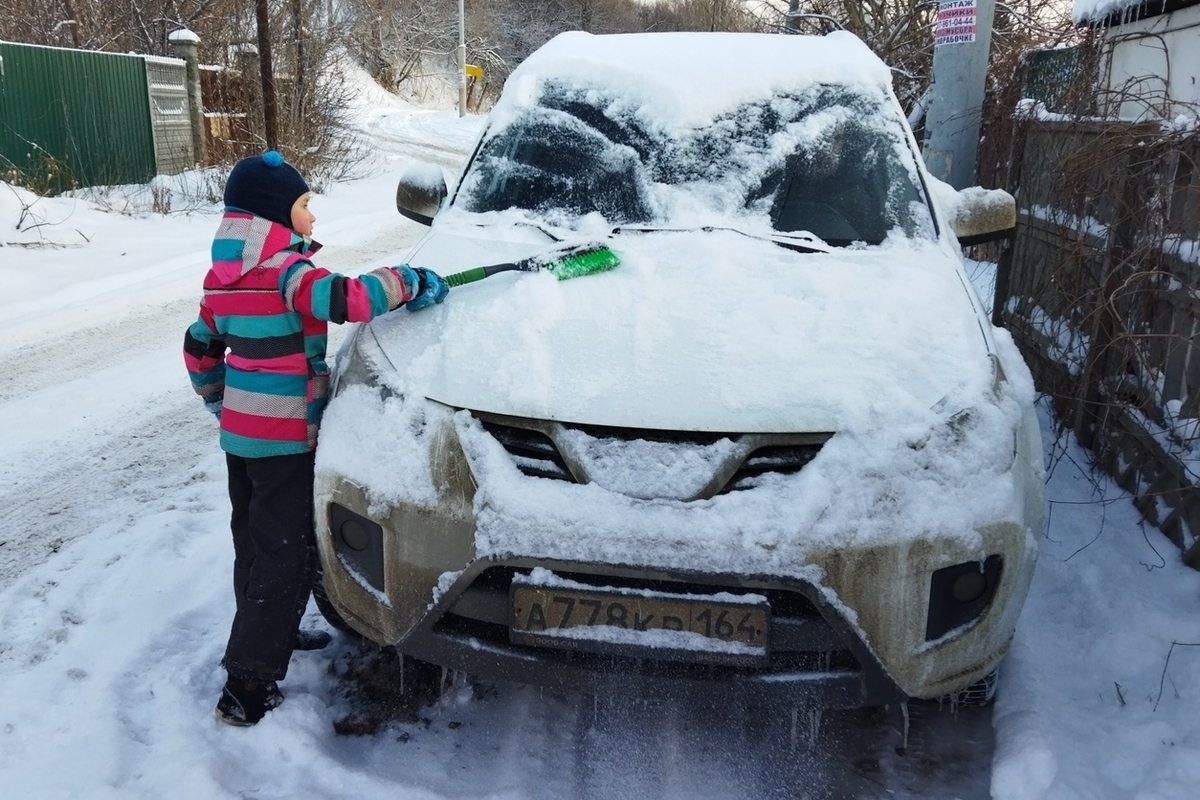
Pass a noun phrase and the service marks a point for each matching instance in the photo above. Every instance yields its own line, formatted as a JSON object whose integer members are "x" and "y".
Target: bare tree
{"x": 262, "y": 15}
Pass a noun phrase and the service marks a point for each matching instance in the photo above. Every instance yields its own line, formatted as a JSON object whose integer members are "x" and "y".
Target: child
{"x": 267, "y": 305}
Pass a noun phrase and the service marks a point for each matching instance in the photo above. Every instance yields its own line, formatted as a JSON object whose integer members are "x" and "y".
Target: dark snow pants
{"x": 274, "y": 561}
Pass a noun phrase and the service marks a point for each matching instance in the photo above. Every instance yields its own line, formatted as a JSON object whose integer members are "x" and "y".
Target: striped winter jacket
{"x": 267, "y": 305}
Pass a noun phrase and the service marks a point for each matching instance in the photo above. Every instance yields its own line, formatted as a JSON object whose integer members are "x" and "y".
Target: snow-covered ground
{"x": 115, "y": 565}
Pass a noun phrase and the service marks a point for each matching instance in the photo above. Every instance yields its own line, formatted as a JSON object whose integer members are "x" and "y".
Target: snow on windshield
{"x": 829, "y": 159}
{"x": 791, "y": 153}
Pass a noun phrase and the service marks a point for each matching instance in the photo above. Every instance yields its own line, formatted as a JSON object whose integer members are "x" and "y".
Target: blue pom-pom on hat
{"x": 266, "y": 186}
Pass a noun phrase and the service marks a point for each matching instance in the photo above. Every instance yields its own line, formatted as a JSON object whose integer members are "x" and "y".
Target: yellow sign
{"x": 474, "y": 71}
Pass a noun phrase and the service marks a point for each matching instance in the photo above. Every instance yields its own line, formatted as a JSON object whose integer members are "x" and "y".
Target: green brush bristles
{"x": 585, "y": 262}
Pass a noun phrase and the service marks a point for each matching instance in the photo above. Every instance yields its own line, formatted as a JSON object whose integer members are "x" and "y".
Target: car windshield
{"x": 832, "y": 161}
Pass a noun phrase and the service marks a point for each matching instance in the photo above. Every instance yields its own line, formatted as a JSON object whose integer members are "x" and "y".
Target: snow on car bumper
{"x": 859, "y": 623}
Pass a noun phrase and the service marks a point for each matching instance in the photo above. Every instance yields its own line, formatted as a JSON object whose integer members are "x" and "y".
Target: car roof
{"x": 692, "y": 77}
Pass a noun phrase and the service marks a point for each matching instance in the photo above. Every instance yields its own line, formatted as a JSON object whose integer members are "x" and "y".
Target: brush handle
{"x": 533, "y": 263}
{"x": 478, "y": 273}
{"x": 467, "y": 276}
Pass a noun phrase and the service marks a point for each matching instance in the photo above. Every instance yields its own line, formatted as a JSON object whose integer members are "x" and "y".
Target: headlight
{"x": 983, "y": 430}
{"x": 979, "y": 426}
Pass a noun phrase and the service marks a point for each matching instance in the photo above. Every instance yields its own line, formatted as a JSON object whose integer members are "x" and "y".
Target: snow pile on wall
{"x": 1092, "y": 11}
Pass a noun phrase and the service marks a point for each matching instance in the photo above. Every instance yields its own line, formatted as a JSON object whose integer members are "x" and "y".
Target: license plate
{"x": 690, "y": 628}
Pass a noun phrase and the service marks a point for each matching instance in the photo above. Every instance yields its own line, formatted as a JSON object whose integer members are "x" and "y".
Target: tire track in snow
{"x": 75, "y": 354}
{"x": 74, "y": 457}
{"x": 65, "y": 491}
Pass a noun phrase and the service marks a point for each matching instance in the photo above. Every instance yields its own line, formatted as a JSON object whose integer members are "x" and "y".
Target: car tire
{"x": 980, "y": 694}
{"x": 325, "y": 606}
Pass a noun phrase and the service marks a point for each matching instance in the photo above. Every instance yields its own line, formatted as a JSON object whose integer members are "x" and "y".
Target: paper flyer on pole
{"x": 956, "y": 21}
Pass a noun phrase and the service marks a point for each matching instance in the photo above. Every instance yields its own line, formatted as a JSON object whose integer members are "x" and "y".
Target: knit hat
{"x": 266, "y": 186}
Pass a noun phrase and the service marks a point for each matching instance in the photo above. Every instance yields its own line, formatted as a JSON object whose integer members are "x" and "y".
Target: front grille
{"x": 535, "y": 453}
{"x": 532, "y": 451}
{"x": 699, "y": 438}
{"x": 783, "y": 459}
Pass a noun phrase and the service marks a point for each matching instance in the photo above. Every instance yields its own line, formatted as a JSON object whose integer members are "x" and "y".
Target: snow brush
{"x": 564, "y": 263}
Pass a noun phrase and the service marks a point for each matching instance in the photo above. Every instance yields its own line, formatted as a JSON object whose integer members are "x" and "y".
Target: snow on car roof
{"x": 663, "y": 70}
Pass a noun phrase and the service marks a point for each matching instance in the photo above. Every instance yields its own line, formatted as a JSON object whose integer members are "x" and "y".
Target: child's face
{"x": 302, "y": 218}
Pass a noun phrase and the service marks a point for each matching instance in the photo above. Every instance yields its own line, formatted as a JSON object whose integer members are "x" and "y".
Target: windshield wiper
{"x": 805, "y": 241}
{"x": 535, "y": 225}
{"x": 800, "y": 241}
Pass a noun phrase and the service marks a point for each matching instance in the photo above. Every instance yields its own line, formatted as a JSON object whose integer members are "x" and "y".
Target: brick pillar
{"x": 185, "y": 44}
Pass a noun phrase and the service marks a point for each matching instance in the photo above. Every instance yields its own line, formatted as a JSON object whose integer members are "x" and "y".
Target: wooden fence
{"x": 1104, "y": 299}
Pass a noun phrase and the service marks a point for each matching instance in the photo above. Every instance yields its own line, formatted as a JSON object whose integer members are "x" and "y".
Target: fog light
{"x": 959, "y": 595}
{"x": 355, "y": 536}
{"x": 358, "y": 543}
{"x": 969, "y": 587}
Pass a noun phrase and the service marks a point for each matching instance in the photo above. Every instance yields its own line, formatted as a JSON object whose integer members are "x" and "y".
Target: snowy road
{"x": 114, "y": 604}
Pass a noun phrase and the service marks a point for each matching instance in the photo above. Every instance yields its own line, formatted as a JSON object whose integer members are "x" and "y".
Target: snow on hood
{"x": 662, "y": 70}
{"x": 697, "y": 331}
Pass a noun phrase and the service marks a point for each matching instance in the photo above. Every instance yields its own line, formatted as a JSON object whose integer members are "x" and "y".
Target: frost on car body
{"x": 787, "y": 394}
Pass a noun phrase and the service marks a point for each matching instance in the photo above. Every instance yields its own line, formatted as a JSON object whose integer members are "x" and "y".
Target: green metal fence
{"x": 1051, "y": 75}
{"x": 73, "y": 118}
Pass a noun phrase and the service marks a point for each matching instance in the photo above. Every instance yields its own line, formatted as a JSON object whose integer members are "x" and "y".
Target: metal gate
{"x": 71, "y": 118}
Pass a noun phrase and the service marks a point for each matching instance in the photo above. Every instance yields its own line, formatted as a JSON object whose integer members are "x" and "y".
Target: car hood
{"x": 700, "y": 331}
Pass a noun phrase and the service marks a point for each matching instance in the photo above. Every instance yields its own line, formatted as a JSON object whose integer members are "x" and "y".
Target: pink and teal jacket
{"x": 260, "y": 338}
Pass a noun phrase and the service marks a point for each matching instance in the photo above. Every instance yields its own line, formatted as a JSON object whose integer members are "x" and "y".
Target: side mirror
{"x": 420, "y": 193}
{"x": 983, "y": 215}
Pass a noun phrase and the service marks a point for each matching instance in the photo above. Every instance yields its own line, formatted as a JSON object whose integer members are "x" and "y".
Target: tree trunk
{"x": 270, "y": 124}
{"x": 69, "y": 7}
{"x": 298, "y": 105}
{"x": 793, "y": 24}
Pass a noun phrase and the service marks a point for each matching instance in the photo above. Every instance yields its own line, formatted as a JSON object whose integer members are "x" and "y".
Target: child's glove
{"x": 212, "y": 404}
{"x": 433, "y": 289}
{"x": 411, "y": 281}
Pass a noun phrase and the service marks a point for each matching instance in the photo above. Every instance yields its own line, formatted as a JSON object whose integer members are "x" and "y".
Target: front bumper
{"x": 853, "y": 625}
{"x": 815, "y": 657}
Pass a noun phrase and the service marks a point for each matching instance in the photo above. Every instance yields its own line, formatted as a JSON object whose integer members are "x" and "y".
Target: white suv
{"x": 779, "y": 449}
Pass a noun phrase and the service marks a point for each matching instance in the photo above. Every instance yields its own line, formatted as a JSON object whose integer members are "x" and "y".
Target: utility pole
{"x": 270, "y": 124}
{"x": 462, "y": 61}
{"x": 962, "y": 39}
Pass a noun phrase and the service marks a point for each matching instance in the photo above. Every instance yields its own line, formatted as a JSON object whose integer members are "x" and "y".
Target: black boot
{"x": 244, "y": 703}
{"x": 312, "y": 640}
